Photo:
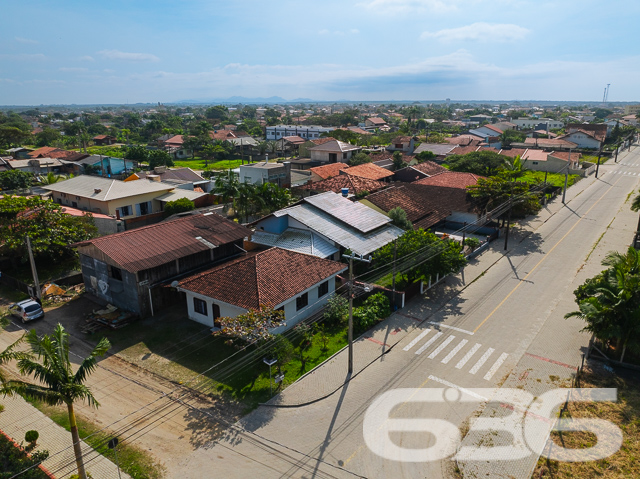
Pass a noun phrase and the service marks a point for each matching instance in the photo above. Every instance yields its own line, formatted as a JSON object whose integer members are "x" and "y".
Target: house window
{"x": 302, "y": 301}
{"x": 323, "y": 289}
{"x": 399, "y": 147}
{"x": 74, "y": 204}
{"x": 534, "y": 162}
{"x": 115, "y": 273}
{"x": 200, "y": 306}
{"x": 143, "y": 208}
{"x": 344, "y": 156}
{"x": 125, "y": 211}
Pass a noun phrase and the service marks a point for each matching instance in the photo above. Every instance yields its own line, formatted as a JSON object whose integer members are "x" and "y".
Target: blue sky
{"x": 155, "y": 50}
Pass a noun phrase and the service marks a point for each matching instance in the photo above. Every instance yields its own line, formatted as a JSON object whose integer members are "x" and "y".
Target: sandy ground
{"x": 141, "y": 408}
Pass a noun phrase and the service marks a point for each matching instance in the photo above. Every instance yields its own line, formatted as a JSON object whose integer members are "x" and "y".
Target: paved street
{"x": 506, "y": 329}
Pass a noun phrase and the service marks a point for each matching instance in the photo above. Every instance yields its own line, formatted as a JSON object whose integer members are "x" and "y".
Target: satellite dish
{"x": 175, "y": 284}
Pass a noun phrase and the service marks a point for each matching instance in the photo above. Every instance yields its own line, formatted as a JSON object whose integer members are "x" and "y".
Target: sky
{"x": 132, "y": 51}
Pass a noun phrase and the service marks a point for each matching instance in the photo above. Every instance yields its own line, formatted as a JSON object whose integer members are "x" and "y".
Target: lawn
{"x": 594, "y": 159}
{"x": 555, "y": 179}
{"x": 240, "y": 375}
{"x": 625, "y": 413}
{"x": 133, "y": 460}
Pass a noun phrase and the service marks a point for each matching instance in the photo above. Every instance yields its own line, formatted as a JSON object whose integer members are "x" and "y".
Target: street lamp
{"x": 270, "y": 362}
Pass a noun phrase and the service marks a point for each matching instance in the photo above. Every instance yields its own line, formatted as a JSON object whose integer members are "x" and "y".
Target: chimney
{"x": 345, "y": 192}
{"x": 160, "y": 169}
{"x": 153, "y": 178}
{"x": 97, "y": 190}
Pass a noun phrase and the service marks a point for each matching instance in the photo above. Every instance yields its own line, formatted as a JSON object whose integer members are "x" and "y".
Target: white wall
{"x": 582, "y": 140}
{"x": 226, "y": 310}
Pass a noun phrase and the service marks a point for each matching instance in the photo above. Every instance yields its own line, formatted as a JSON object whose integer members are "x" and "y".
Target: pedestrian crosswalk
{"x": 479, "y": 361}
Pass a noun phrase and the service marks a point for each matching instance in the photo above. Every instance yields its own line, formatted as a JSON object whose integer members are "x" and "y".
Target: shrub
{"x": 337, "y": 310}
{"x": 375, "y": 307}
{"x": 282, "y": 349}
{"x": 472, "y": 243}
{"x": 31, "y": 436}
{"x": 178, "y": 206}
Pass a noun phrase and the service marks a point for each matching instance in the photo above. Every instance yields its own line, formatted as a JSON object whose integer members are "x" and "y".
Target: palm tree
{"x": 226, "y": 186}
{"x": 51, "y": 178}
{"x": 635, "y": 206}
{"x": 514, "y": 169}
{"x": 9, "y": 354}
{"x": 247, "y": 201}
{"x": 56, "y": 383}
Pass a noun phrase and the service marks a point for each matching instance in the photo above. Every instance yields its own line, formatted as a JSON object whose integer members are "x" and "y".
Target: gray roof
{"x": 298, "y": 178}
{"x": 105, "y": 189}
{"x": 341, "y": 233}
{"x": 294, "y": 239}
{"x": 243, "y": 140}
{"x": 437, "y": 148}
{"x": 41, "y": 162}
{"x": 356, "y": 215}
{"x": 179, "y": 193}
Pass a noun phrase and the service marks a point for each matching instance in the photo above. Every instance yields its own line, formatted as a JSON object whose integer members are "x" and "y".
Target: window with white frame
{"x": 200, "y": 306}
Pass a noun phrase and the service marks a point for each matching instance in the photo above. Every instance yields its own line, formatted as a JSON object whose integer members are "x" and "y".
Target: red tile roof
{"x": 355, "y": 184}
{"x": 161, "y": 243}
{"x": 401, "y": 139}
{"x": 388, "y": 155}
{"x": 429, "y": 167}
{"x": 226, "y": 134}
{"x": 494, "y": 128}
{"x": 369, "y": 171}
{"x": 377, "y": 121}
{"x": 513, "y": 152}
{"x": 564, "y": 155}
{"x": 463, "y": 150}
{"x": 451, "y": 179}
{"x": 598, "y": 131}
{"x": 295, "y": 140}
{"x": 425, "y": 205}
{"x": 103, "y": 137}
{"x": 549, "y": 143}
{"x": 464, "y": 140}
{"x": 322, "y": 141}
{"x": 269, "y": 277}
{"x": 327, "y": 171}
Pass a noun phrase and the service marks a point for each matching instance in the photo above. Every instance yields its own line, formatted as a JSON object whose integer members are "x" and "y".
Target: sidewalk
{"x": 19, "y": 417}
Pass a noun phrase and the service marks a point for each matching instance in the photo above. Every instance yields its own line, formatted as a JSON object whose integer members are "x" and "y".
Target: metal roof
{"x": 435, "y": 148}
{"x": 355, "y": 215}
{"x": 341, "y": 232}
{"x": 179, "y": 193}
{"x": 105, "y": 189}
{"x": 162, "y": 243}
{"x": 294, "y": 239}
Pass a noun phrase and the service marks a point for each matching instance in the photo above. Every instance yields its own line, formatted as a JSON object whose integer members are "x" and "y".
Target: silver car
{"x": 27, "y": 310}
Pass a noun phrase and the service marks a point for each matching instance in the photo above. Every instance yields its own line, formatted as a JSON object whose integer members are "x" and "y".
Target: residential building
{"x": 489, "y": 130}
{"x": 132, "y": 270}
{"x": 480, "y": 118}
{"x": 319, "y": 173}
{"x": 298, "y": 284}
{"x": 376, "y": 123}
{"x": 334, "y": 151}
{"x": 330, "y": 224}
{"x": 369, "y": 171}
{"x": 306, "y": 132}
{"x": 102, "y": 140}
{"x": 441, "y": 150}
{"x": 404, "y": 144}
{"x": 537, "y": 123}
{"x": 417, "y": 172}
{"x": 110, "y": 197}
{"x": 345, "y": 184}
{"x": 103, "y": 166}
{"x": 264, "y": 172}
{"x": 546, "y": 143}
{"x": 584, "y": 139}
{"x": 632, "y": 109}
{"x": 183, "y": 178}
{"x": 52, "y": 152}
{"x": 38, "y": 166}
{"x": 451, "y": 179}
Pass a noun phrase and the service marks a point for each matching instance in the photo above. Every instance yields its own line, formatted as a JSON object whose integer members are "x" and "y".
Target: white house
{"x": 306, "y": 132}
{"x": 537, "y": 123}
{"x": 298, "y": 284}
{"x": 583, "y": 138}
{"x": 333, "y": 152}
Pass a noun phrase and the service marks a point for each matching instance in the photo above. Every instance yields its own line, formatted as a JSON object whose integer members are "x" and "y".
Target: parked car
{"x": 27, "y": 310}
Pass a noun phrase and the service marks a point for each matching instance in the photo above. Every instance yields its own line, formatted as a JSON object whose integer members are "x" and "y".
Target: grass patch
{"x": 157, "y": 347}
{"x": 594, "y": 159}
{"x": 625, "y": 413}
{"x": 136, "y": 462}
{"x": 555, "y": 179}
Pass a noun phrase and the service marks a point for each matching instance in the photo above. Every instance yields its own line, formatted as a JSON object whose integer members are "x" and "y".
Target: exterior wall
{"x": 109, "y": 207}
{"x": 534, "y": 122}
{"x": 123, "y": 294}
{"x": 582, "y": 140}
{"x": 226, "y": 310}
{"x": 258, "y": 175}
{"x": 81, "y": 203}
{"x": 273, "y": 224}
{"x": 462, "y": 217}
{"x": 107, "y": 226}
{"x": 552, "y": 165}
{"x": 306, "y": 132}
{"x": 323, "y": 156}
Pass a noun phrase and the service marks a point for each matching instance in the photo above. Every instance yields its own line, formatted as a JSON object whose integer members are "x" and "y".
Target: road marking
{"x": 452, "y": 327}
{"x": 481, "y": 361}
{"x": 453, "y": 352}
{"x": 495, "y": 366}
{"x": 415, "y": 341}
{"x": 373, "y": 340}
{"x": 459, "y": 388}
{"x": 467, "y": 356}
{"x": 439, "y": 349}
{"x": 523, "y": 280}
{"x": 551, "y": 361}
{"x": 428, "y": 343}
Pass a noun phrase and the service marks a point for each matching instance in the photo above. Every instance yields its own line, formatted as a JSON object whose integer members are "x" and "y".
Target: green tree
{"x": 15, "y": 180}
{"x": 55, "y": 381}
{"x": 492, "y": 192}
{"x": 399, "y": 218}
{"x": 247, "y": 201}
{"x": 425, "y": 156}
{"x": 218, "y": 112}
{"x": 136, "y": 153}
{"x": 51, "y": 178}
{"x": 484, "y": 163}
{"x": 514, "y": 168}
{"x": 512, "y": 136}
{"x": 271, "y": 197}
{"x": 226, "y": 186}
{"x": 430, "y": 255}
{"x": 360, "y": 159}
{"x": 178, "y": 206}
{"x": 159, "y": 158}
{"x": 397, "y": 160}
{"x": 48, "y": 137}
{"x": 337, "y": 310}
{"x": 192, "y": 143}
{"x": 12, "y": 136}
{"x": 51, "y": 231}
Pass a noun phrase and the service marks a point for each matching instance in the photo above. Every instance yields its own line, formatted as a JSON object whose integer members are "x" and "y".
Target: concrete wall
{"x": 273, "y": 224}
{"x": 552, "y": 165}
{"x": 109, "y": 207}
{"x": 226, "y": 310}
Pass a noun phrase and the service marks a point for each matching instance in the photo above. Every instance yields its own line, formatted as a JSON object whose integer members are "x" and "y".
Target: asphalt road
{"x": 506, "y": 329}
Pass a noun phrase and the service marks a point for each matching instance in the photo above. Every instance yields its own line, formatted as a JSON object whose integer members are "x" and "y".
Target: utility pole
{"x": 506, "y": 236}
{"x": 33, "y": 270}
{"x": 617, "y": 148}
{"x": 393, "y": 279}
{"x": 598, "y": 163}
{"x": 350, "y": 332}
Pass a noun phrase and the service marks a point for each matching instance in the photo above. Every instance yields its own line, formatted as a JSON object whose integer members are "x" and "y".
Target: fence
{"x": 14, "y": 283}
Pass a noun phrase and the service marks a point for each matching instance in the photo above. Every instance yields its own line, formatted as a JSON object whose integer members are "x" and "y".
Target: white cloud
{"x": 26, "y": 40}
{"x": 127, "y": 56}
{"x": 480, "y": 31}
{"x": 406, "y": 6}
{"x": 73, "y": 69}
{"x": 87, "y": 58}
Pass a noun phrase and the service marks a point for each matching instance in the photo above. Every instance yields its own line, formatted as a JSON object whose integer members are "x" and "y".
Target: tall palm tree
{"x": 56, "y": 383}
{"x": 515, "y": 168}
{"x": 51, "y": 178}
{"x": 9, "y": 354}
{"x": 226, "y": 186}
{"x": 247, "y": 201}
{"x": 635, "y": 206}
